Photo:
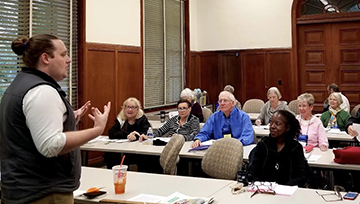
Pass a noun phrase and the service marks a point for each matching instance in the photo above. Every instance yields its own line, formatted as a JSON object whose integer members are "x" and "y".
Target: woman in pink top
{"x": 311, "y": 125}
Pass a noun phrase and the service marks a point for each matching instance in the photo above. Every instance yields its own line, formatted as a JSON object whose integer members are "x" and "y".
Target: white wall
{"x": 240, "y": 24}
{"x": 113, "y": 21}
{"x": 214, "y": 24}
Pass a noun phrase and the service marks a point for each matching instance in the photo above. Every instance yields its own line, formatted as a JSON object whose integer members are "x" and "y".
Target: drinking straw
{"x": 122, "y": 160}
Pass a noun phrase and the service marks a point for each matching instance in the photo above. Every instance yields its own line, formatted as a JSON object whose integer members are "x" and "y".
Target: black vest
{"x": 27, "y": 175}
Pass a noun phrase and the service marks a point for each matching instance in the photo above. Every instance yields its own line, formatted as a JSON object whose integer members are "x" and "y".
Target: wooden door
{"x": 346, "y": 59}
{"x": 329, "y": 53}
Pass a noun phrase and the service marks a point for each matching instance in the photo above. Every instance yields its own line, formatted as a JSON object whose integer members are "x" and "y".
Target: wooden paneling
{"x": 210, "y": 75}
{"x": 231, "y": 72}
{"x": 251, "y": 72}
{"x": 112, "y": 73}
{"x": 99, "y": 81}
{"x": 129, "y": 77}
{"x": 253, "y": 80}
{"x": 278, "y": 68}
{"x": 193, "y": 79}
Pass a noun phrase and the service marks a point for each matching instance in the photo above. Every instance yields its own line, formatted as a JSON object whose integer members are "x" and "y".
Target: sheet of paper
{"x": 178, "y": 197}
{"x": 356, "y": 126}
{"x": 313, "y": 158}
{"x": 334, "y": 130}
{"x": 78, "y": 192}
{"x": 285, "y": 190}
{"x": 209, "y": 142}
{"x": 165, "y": 139}
{"x": 147, "y": 198}
{"x": 279, "y": 189}
{"x": 265, "y": 127}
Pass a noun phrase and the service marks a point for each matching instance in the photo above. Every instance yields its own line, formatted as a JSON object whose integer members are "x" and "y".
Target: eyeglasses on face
{"x": 183, "y": 109}
{"x": 131, "y": 107}
{"x": 224, "y": 101}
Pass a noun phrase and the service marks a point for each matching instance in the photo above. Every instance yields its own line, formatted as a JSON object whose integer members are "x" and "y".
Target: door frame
{"x": 298, "y": 19}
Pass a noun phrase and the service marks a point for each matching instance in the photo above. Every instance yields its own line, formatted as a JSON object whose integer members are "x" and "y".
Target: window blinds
{"x": 14, "y": 22}
{"x": 55, "y": 17}
{"x": 163, "y": 52}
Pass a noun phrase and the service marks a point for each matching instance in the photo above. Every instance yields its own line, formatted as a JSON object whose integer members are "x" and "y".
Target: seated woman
{"x": 335, "y": 117}
{"x": 130, "y": 124}
{"x": 271, "y": 106}
{"x": 280, "y": 158}
{"x": 185, "y": 123}
{"x": 196, "y": 110}
{"x": 311, "y": 125}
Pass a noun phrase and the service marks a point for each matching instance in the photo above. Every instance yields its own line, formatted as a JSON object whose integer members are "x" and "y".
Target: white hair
{"x": 187, "y": 93}
{"x": 337, "y": 97}
{"x": 228, "y": 94}
{"x": 275, "y": 90}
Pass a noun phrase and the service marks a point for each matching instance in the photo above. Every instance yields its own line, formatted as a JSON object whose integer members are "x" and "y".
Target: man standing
{"x": 344, "y": 106}
{"x": 40, "y": 156}
{"x": 228, "y": 122}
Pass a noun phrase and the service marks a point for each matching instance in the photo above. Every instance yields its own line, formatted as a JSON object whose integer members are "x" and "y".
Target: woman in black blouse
{"x": 185, "y": 123}
{"x": 280, "y": 158}
{"x": 130, "y": 124}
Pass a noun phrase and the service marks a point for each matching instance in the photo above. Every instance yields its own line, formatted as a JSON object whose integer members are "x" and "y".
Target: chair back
{"x": 355, "y": 110}
{"x": 293, "y": 106}
{"x": 206, "y": 113}
{"x": 253, "y": 105}
{"x": 223, "y": 159}
{"x": 170, "y": 155}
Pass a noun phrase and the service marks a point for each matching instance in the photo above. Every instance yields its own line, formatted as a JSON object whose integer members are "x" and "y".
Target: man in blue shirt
{"x": 227, "y": 122}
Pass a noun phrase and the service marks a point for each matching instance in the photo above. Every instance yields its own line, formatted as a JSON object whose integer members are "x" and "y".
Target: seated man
{"x": 228, "y": 122}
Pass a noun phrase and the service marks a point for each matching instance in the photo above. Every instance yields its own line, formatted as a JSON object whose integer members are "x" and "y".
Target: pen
{"x": 210, "y": 200}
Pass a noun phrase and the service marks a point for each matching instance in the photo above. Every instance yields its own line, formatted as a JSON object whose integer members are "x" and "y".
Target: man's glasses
{"x": 131, "y": 107}
{"x": 183, "y": 109}
{"x": 223, "y": 101}
{"x": 262, "y": 187}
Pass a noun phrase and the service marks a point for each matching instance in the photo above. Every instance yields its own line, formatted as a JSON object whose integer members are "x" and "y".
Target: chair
{"x": 223, "y": 159}
{"x": 293, "y": 106}
{"x": 355, "y": 110}
{"x": 170, "y": 155}
{"x": 206, "y": 113}
{"x": 253, "y": 105}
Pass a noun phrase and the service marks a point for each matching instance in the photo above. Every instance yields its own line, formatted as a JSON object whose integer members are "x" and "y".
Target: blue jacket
{"x": 240, "y": 124}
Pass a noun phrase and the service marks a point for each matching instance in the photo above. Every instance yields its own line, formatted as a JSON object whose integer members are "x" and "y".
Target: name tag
{"x": 227, "y": 135}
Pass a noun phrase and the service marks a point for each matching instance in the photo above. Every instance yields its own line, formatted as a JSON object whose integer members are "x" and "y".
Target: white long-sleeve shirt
{"x": 45, "y": 113}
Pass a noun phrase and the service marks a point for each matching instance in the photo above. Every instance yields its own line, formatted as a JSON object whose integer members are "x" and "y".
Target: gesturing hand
{"x": 81, "y": 111}
{"x": 100, "y": 119}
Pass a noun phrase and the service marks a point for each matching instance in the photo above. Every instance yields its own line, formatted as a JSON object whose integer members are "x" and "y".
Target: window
{"x": 28, "y": 18}
{"x": 329, "y": 6}
{"x": 163, "y": 52}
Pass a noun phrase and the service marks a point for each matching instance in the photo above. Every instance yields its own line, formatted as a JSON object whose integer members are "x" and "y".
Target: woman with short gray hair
{"x": 271, "y": 106}
{"x": 196, "y": 110}
{"x": 335, "y": 117}
{"x": 311, "y": 126}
